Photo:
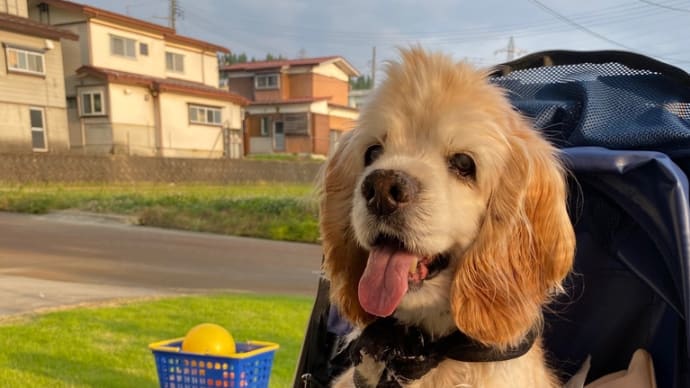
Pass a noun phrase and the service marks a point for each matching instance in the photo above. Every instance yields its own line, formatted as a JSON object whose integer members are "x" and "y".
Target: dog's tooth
{"x": 413, "y": 267}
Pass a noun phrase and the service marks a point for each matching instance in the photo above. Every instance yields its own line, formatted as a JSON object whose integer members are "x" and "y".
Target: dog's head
{"x": 444, "y": 194}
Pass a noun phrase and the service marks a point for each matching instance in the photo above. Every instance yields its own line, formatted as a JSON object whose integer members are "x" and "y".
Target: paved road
{"x": 70, "y": 248}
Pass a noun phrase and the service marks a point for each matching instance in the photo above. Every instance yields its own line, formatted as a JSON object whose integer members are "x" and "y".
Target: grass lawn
{"x": 107, "y": 346}
{"x": 272, "y": 211}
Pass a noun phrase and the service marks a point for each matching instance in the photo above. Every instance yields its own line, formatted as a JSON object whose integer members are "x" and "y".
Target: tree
{"x": 271, "y": 57}
{"x": 362, "y": 82}
{"x": 232, "y": 58}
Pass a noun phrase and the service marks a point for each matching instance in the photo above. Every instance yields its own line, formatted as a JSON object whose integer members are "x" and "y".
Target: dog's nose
{"x": 388, "y": 190}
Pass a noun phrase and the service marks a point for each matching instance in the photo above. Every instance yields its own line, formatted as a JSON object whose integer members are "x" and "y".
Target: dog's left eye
{"x": 372, "y": 153}
{"x": 463, "y": 165}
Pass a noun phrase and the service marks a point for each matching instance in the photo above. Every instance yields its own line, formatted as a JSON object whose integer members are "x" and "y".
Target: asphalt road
{"x": 81, "y": 249}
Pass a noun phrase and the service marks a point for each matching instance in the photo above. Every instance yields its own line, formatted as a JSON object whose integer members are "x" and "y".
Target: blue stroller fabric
{"x": 622, "y": 122}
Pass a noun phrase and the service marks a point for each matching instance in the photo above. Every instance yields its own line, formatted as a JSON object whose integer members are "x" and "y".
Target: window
{"x": 38, "y": 131}
{"x": 122, "y": 46}
{"x": 268, "y": 81}
{"x": 25, "y": 61}
{"x": 71, "y": 102}
{"x": 199, "y": 114}
{"x": 144, "y": 49}
{"x": 265, "y": 125}
{"x": 92, "y": 103}
{"x": 174, "y": 62}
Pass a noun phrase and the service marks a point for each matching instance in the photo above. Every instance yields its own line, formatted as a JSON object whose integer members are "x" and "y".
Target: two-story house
{"x": 297, "y": 106}
{"x": 139, "y": 88}
{"x": 33, "y": 114}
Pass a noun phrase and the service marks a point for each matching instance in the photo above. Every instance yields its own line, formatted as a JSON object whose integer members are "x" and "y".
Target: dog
{"x": 445, "y": 231}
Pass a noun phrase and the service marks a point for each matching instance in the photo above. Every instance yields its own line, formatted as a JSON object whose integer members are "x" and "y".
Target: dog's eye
{"x": 373, "y": 153}
{"x": 462, "y": 165}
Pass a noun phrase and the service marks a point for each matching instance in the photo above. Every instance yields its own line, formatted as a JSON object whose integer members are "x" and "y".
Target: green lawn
{"x": 107, "y": 346}
{"x": 272, "y": 211}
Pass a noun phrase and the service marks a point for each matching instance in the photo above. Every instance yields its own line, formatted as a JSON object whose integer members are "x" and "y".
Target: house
{"x": 33, "y": 114}
{"x": 138, "y": 88}
{"x": 359, "y": 97}
{"x": 297, "y": 106}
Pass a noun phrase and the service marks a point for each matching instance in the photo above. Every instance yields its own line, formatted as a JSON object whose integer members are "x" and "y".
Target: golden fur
{"x": 507, "y": 232}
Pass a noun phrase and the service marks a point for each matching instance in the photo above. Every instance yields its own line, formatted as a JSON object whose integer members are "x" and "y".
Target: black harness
{"x": 408, "y": 353}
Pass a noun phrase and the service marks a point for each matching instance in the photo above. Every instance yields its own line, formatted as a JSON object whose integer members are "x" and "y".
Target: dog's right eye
{"x": 373, "y": 153}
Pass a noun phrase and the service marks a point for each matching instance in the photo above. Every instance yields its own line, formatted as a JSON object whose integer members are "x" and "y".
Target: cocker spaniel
{"x": 445, "y": 231}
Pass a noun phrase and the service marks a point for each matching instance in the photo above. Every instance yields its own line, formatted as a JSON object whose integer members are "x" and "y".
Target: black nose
{"x": 388, "y": 190}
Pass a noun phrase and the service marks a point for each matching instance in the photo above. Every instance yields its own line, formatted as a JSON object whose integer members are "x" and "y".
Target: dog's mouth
{"x": 392, "y": 270}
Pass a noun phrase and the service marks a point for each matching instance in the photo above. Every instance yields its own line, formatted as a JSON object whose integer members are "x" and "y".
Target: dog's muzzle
{"x": 386, "y": 191}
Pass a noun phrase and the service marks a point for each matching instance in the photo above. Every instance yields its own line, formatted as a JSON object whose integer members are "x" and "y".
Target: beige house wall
{"x": 75, "y": 55}
{"x": 211, "y": 75}
{"x": 14, "y": 7}
{"x": 152, "y": 64}
{"x": 132, "y": 118}
{"x": 331, "y": 70}
{"x": 58, "y": 17}
{"x": 20, "y": 92}
{"x": 199, "y": 66}
{"x": 15, "y": 128}
{"x": 183, "y": 139}
{"x": 32, "y": 89}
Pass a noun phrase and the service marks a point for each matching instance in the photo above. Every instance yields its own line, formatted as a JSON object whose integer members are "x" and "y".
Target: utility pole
{"x": 373, "y": 67}
{"x": 174, "y": 10}
{"x": 510, "y": 50}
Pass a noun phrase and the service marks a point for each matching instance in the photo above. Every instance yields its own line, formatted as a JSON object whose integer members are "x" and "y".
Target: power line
{"x": 665, "y": 6}
{"x": 579, "y": 26}
{"x": 594, "y": 33}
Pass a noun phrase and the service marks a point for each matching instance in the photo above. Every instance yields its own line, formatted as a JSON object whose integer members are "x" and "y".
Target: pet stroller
{"x": 622, "y": 121}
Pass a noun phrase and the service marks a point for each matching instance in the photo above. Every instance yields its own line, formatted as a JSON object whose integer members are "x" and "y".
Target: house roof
{"x": 169, "y": 33}
{"x": 346, "y": 107}
{"x": 162, "y": 84}
{"x": 286, "y": 63}
{"x": 29, "y": 27}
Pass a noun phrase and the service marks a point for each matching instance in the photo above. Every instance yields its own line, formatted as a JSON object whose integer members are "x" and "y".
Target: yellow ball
{"x": 209, "y": 338}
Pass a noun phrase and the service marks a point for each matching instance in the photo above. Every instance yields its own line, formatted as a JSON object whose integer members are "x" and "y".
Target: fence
{"x": 66, "y": 168}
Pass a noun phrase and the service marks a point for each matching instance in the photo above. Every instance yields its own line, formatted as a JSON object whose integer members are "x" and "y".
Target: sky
{"x": 477, "y": 31}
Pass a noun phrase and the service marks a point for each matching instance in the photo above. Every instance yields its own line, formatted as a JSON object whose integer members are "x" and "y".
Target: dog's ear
{"x": 344, "y": 259}
{"x": 524, "y": 248}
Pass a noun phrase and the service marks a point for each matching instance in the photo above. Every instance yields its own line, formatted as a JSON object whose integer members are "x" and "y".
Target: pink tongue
{"x": 384, "y": 282}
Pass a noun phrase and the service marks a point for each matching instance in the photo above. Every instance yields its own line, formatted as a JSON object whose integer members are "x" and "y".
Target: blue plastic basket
{"x": 250, "y": 367}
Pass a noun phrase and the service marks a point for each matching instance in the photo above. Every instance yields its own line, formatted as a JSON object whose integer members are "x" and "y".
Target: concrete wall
{"x": 69, "y": 168}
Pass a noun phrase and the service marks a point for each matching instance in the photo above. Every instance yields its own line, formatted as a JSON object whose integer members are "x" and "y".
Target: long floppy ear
{"x": 524, "y": 248}
{"x": 344, "y": 259}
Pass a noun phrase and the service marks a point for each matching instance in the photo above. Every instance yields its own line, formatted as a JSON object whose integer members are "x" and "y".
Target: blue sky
{"x": 474, "y": 30}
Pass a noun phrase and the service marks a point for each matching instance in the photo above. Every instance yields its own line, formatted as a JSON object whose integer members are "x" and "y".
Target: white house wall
{"x": 320, "y": 107}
